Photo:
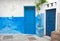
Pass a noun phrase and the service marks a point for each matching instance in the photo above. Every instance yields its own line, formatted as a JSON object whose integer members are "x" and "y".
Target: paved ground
{"x": 23, "y": 38}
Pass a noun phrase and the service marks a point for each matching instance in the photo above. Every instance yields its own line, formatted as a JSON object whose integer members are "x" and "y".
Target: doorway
{"x": 29, "y": 20}
{"x": 50, "y": 21}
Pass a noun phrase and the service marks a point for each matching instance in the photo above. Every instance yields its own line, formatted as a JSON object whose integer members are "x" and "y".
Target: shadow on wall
{"x": 11, "y": 25}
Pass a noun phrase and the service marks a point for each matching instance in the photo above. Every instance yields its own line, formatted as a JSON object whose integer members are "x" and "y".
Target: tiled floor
{"x": 25, "y": 38}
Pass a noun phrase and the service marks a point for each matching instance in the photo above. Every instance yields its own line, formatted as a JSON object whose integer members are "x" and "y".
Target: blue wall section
{"x": 40, "y": 25}
{"x": 15, "y": 25}
{"x": 11, "y": 25}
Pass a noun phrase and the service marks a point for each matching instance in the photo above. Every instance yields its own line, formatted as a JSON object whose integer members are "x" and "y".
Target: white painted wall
{"x": 58, "y": 15}
{"x": 9, "y": 8}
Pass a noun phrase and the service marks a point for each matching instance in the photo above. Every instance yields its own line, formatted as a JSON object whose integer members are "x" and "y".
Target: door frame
{"x": 55, "y": 20}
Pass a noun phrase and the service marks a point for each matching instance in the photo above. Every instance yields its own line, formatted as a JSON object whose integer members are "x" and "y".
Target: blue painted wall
{"x": 15, "y": 25}
{"x": 40, "y": 24}
{"x": 11, "y": 25}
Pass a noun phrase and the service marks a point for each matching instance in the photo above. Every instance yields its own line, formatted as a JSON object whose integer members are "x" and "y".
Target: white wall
{"x": 44, "y": 6}
{"x": 58, "y": 6}
{"x": 15, "y": 8}
{"x": 58, "y": 15}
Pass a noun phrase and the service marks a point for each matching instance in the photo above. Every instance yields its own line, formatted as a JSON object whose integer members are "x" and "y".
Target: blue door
{"x": 50, "y": 21}
{"x": 29, "y": 20}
